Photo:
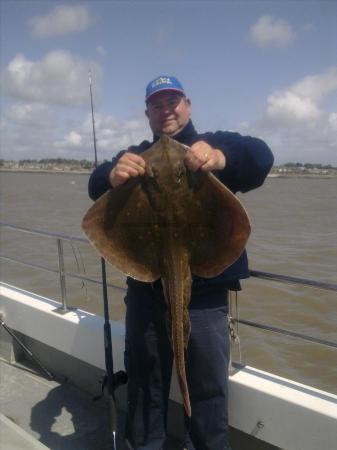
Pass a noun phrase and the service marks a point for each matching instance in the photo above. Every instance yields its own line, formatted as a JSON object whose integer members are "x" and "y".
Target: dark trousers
{"x": 148, "y": 362}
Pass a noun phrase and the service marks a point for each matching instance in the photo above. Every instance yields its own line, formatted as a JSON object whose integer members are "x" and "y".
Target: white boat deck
{"x": 42, "y": 414}
{"x": 278, "y": 412}
{"x": 38, "y": 414}
{"x": 12, "y": 437}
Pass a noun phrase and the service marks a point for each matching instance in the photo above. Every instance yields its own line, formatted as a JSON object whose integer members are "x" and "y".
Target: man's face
{"x": 168, "y": 112}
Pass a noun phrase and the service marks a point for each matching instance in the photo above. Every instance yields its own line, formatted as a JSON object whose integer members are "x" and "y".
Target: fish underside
{"x": 168, "y": 224}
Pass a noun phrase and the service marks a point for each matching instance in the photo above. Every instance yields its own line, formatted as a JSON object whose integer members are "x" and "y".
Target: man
{"x": 241, "y": 163}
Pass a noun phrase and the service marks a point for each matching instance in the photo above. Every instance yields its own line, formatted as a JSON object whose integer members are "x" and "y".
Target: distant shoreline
{"x": 306, "y": 175}
{"x": 88, "y": 172}
{"x": 66, "y": 172}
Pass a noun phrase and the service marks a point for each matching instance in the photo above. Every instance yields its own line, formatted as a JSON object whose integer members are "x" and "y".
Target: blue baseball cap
{"x": 163, "y": 83}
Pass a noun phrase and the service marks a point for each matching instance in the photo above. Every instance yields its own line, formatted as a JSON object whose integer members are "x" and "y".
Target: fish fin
{"x": 122, "y": 226}
{"x": 220, "y": 228}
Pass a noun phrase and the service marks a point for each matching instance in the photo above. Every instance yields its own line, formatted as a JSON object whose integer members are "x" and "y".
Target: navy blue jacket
{"x": 248, "y": 161}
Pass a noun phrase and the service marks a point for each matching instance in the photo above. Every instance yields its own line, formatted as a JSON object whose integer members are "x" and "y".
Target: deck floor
{"x": 59, "y": 415}
{"x": 63, "y": 417}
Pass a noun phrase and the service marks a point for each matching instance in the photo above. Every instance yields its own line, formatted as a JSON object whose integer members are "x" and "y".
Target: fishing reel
{"x": 119, "y": 378}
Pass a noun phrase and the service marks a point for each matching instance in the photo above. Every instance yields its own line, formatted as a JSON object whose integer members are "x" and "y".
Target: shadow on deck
{"x": 64, "y": 417}
{"x": 58, "y": 414}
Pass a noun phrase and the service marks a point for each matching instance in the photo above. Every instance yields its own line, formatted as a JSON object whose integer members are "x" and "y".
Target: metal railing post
{"x": 64, "y": 308}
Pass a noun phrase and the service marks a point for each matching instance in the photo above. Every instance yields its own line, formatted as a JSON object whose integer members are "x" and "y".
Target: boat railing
{"x": 63, "y": 274}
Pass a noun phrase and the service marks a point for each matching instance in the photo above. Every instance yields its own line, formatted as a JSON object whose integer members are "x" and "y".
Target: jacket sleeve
{"x": 248, "y": 160}
{"x": 99, "y": 179}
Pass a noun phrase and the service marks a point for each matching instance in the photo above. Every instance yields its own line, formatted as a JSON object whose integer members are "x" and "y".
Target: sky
{"x": 261, "y": 68}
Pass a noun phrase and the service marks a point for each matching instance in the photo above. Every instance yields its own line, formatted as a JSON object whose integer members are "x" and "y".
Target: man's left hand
{"x": 204, "y": 157}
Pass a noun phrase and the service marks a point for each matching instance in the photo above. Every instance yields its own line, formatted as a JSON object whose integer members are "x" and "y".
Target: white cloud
{"x": 300, "y": 102}
{"x": 29, "y": 114}
{"x": 19, "y": 141}
{"x": 58, "y": 139}
{"x": 288, "y": 106}
{"x": 296, "y": 125}
{"x": 59, "y": 78}
{"x": 36, "y": 127}
{"x": 63, "y": 19}
{"x": 271, "y": 32}
{"x": 333, "y": 121}
{"x": 113, "y": 135}
{"x": 298, "y": 142}
{"x": 317, "y": 86}
{"x": 73, "y": 139}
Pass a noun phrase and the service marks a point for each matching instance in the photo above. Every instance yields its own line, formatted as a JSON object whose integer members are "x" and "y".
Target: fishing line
{"x": 74, "y": 246}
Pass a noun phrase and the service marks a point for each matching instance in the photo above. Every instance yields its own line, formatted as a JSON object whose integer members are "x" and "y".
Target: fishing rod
{"x": 48, "y": 374}
{"x": 111, "y": 380}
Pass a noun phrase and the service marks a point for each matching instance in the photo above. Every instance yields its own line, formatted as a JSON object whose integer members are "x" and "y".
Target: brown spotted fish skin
{"x": 169, "y": 224}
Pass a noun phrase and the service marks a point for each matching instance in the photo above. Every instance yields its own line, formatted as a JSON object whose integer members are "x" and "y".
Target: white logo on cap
{"x": 161, "y": 80}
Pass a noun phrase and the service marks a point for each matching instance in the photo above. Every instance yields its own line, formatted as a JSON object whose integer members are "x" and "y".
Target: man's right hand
{"x": 129, "y": 165}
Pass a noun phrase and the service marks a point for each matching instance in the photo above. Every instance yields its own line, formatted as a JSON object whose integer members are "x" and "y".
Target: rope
{"x": 233, "y": 330}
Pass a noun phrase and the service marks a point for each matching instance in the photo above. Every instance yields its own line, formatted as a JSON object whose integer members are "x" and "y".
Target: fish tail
{"x": 178, "y": 343}
{"x": 177, "y": 282}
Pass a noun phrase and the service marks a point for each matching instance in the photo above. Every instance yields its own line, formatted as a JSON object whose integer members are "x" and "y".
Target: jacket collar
{"x": 187, "y": 135}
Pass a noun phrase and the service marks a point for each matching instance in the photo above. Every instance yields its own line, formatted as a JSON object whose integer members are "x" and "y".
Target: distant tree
{"x": 293, "y": 165}
{"x": 85, "y": 164}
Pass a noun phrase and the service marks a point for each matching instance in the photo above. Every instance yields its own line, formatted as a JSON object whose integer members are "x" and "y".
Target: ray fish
{"x": 170, "y": 223}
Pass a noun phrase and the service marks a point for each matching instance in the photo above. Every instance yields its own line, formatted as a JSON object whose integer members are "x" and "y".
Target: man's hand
{"x": 129, "y": 165}
{"x": 202, "y": 156}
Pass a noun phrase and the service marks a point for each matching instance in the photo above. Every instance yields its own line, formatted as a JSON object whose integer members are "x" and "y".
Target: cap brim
{"x": 165, "y": 89}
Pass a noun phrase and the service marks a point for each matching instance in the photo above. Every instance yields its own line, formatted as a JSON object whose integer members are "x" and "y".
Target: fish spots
{"x": 165, "y": 225}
